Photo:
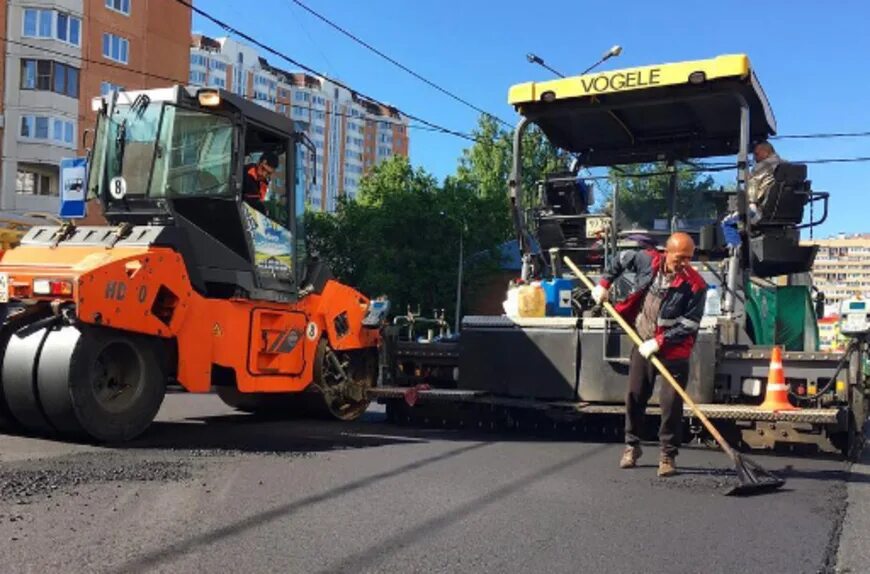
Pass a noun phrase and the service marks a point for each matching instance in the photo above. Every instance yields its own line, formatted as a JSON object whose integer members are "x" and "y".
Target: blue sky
{"x": 812, "y": 58}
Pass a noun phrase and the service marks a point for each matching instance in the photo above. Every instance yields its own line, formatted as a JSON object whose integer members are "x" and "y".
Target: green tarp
{"x": 782, "y": 315}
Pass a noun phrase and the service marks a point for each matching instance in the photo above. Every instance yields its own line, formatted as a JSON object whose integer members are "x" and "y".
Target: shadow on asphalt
{"x": 376, "y": 553}
{"x": 253, "y": 434}
{"x": 262, "y": 434}
{"x": 844, "y": 475}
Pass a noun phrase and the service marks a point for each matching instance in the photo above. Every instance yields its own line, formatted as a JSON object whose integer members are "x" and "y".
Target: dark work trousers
{"x": 641, "y": 379}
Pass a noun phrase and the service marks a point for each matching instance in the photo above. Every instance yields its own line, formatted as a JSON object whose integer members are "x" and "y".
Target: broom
{"x": 752, "y": 478}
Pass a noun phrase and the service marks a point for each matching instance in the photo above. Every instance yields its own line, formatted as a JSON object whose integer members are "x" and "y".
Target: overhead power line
{"x": 399, "y": 65}
{"x": 822, "y": 135}
{"x": 230, "y": 29}
{"x": 329, "y": 65}
{"x": 92, "y": 61}
{"x": 427, "y": 125}
{"x": 835, "y": 160}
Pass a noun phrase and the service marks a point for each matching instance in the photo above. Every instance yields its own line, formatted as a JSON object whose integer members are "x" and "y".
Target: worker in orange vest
{"x": 256, "y": 182}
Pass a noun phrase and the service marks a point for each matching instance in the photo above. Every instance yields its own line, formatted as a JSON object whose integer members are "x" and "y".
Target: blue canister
{"x": 557, "y": 292}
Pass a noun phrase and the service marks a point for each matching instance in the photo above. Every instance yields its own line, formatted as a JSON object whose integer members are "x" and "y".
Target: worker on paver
{"x": 761, "y": 179}
{"x": 665, "y": 302}
{"x": 257, "y": 178}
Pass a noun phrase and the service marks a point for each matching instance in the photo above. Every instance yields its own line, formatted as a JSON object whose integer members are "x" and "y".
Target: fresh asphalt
{"x": 211, "y": 490}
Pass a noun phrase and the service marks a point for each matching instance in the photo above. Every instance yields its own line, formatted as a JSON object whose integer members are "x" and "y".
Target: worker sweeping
{"x": 665, "y": 301}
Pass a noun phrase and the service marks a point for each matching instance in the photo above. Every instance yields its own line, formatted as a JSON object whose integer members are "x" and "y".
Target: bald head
{"x": 762, "y": 151}
{"x": 679, "y": 251}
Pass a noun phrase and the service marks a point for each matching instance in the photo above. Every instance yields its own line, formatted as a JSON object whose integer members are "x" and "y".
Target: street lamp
{"x": 462, "y": 230}
{"x": 533, "y": 59}
{"x": 611, "y": 53}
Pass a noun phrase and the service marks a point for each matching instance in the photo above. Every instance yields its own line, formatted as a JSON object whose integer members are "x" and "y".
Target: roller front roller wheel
{"x": 20, "y": 392}
{"x": 100, "y": 383}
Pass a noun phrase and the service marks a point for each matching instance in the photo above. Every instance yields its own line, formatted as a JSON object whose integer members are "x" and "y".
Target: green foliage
{"x": 401, "y": 236}
{"x": 394, "y": 239}
{"x": 643, "y": 199}
{"x": 487, "y": 164}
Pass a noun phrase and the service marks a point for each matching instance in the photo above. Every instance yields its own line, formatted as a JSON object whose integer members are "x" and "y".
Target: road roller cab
{"x": 189, "y": 283}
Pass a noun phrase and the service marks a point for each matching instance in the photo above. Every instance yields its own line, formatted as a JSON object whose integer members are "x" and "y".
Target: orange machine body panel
{"x": 270, "y": 346}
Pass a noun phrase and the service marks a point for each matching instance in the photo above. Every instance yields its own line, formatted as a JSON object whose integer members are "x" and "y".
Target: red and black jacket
{"x": 682, "y": 306}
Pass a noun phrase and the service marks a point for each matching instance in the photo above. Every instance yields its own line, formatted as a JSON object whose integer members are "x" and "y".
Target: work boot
{"x": 667, "y": 466}
{"x": 630, "y": 456}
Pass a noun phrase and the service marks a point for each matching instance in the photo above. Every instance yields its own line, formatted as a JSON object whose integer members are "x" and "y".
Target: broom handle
{"x": 657, "y": 363}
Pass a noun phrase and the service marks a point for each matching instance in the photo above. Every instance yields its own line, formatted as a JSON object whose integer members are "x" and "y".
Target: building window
{"x": 107, "y": 88}
{"x": 115, "y": 48}
{"x": 68, "y": 31}
{"x": 43, "y": 75}
{"x": 51, "y": 24}
{"x": 263, "y": 96}
{"x": 57, "y": 133}
{"x": 35, "y": 180}
{"x": 62, "y": 131}
{"x": 122, "y": 6}
{"x": 197, "y": 77}
{"x": 39, "y": 128}
{"x": 47, "y": 75}
{"x": 264, "y": 81}
{"x": 62, "y": 27}
{"x": 37, "y": 23}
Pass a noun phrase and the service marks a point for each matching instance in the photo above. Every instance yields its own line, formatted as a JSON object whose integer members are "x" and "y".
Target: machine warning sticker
{"x": 311, "y": 331}
{"x": 273, "y": 245}
{"x": 284, "y": 342}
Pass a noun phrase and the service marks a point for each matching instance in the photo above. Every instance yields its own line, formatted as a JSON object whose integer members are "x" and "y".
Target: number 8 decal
{"x": 118, "y": 187}
{"x": 311, "y": 331}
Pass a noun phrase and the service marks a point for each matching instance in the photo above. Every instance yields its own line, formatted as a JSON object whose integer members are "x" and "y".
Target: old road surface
{"x": 211, "y": 490}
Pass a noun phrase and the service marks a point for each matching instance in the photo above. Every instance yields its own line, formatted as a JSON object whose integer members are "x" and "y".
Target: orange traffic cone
{"x": 776, "y": 396}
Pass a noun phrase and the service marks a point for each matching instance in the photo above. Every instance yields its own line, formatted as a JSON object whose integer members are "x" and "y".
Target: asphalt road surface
{"x": 211, "y": 490}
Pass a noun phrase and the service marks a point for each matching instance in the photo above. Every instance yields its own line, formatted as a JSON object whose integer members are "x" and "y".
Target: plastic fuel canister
{"x": 558, "y": 296}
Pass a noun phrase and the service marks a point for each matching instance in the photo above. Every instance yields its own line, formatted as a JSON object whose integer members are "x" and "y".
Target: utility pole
{"x": 462, "y": 227}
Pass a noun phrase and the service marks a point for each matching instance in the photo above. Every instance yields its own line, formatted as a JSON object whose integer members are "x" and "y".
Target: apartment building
{"x": 62, "y": 53}
{"x": 842, "y": 268}
{"x": 351, "y": 134}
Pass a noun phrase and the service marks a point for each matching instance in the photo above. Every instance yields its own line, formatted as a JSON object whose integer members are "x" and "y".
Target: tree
{"x": 400, "y": 237}
{"x": 643, "y": 193}
{"x": 486, "y": 166}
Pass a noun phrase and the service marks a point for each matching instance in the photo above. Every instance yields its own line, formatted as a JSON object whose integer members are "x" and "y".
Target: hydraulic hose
{"x": 846, "y": 356}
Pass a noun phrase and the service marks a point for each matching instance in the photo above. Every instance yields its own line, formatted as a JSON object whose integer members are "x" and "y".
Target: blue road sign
{"x": 72, "y": 187}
